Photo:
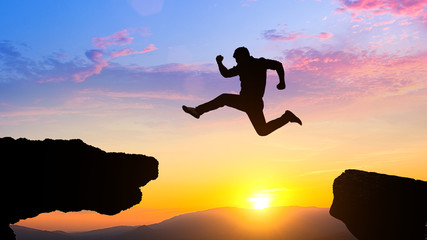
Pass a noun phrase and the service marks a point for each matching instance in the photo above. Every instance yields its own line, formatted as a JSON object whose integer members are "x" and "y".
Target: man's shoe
{"x": 191, "y": 111}
{"x": 292, "y": 117}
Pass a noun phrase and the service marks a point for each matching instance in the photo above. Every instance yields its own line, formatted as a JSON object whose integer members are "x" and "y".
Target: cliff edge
{"x": 376, "y": 206}
{"x": 67, "y": 175}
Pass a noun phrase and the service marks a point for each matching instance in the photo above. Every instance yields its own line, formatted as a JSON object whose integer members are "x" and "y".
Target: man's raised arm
{"x": 222, "y": 69}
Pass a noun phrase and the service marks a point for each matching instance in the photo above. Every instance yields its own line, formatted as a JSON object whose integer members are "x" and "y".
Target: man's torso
{"x": 253, "y": 76}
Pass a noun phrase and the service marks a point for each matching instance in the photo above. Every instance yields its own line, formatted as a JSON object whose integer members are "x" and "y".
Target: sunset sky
{"x": 116, "y": 73}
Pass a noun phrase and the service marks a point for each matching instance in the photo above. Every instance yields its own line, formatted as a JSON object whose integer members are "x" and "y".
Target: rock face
{"x": 67, "y": 175}
{"x": 376, "y": 206}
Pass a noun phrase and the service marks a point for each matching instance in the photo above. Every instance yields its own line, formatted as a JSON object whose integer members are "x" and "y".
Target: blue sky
{"x": 205, "y": 28}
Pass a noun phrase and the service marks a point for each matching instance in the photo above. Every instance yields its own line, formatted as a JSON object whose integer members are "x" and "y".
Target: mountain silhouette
{"x": 290, "y": 223}
{"x": 381, "y": 207}
{"x": 68, "y": 175}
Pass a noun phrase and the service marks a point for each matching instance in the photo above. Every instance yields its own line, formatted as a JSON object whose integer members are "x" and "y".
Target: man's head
{"x": 241, "y": 54}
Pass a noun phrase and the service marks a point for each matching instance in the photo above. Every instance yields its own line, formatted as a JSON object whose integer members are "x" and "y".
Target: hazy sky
{"x": 115, "y": 74}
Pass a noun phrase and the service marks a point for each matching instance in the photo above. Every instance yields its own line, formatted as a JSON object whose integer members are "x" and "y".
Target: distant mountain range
{"x": 284, "y": 223}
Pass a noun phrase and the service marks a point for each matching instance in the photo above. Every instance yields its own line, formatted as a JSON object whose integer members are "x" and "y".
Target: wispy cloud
{"x": 121, "y": 38}
{"x": 166, "y": 95}
{"x": 284, "y": 35}
{"x": 179, "y": 67}
{"x": 35, "y": 111}
{"x": 78, "y": 106}
{"x": 83, "y": 74}
{"x": 384, "y": 23}
{"x": 281, "y": 35}
{"x": 130, "y": 51}
{"x": 86, "y": 102}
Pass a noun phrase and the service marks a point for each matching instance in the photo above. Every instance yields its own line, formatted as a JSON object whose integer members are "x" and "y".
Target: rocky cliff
{"x": 376, "y": 206}
{"x": 67, "y": 175}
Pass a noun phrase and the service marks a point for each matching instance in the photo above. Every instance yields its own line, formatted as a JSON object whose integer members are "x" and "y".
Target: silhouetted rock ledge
{"x": 67, "y": 175}
{"x": 377, "y": 206}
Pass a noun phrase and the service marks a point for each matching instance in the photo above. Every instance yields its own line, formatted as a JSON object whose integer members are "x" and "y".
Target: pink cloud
{"x": 123, "y": 52}
{"x": 411, "y": 8}
{"x": 100, "y": 61}
{"x": 95, "y": 69}
{"x": 119, "y": 38}
{"x": 364, "y": 81}
{"x": 130, "y": 51}
{"x": 384, "y": 23}
{"x": 325, "y": 35}
{"x": 338, "y": 74}
{"x": 308, "y": 59}
{"x": 149, "y": 48}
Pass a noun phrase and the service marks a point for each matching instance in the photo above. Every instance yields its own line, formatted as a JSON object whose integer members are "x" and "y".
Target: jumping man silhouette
{"x": 253, "y": 75}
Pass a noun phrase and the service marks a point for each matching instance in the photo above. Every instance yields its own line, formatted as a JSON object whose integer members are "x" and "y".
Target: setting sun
{"x": 260, "y": 201}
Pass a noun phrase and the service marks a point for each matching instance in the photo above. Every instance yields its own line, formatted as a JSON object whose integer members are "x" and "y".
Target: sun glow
{"x": 260, "y": 201}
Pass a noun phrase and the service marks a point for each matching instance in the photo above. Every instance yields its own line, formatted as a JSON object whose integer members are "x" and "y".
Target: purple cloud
{"x": 95, "y": 55}
{"x": 284, "y": 35}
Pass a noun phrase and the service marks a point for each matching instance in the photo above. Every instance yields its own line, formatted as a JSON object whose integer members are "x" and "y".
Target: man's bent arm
{"x": 276, "y": 65}
{"x": 225, "y": 72}
{"x": 281, "y": 72}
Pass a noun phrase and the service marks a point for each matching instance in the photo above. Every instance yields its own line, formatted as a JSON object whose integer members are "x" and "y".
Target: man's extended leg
{"x": 225, "y": 99}
{"x": 261, "y": 126}
{"x": 264, "y": 128}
